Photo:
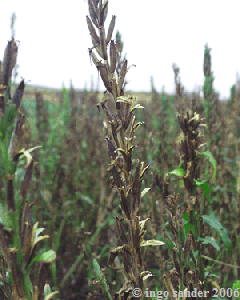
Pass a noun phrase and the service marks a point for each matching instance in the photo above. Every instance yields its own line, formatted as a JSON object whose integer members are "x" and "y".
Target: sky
{"x": 54, "y": 41}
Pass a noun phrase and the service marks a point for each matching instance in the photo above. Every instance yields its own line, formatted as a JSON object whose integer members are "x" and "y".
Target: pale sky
{"x": 54, "y": 41}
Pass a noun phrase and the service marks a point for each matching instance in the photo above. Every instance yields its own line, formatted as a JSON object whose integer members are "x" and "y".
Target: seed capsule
{"x": 122, "y": 74}
{"x": 18, "y": 94}
{"x": 104, "y": 75}
{"x": 110, "y": 29}
{"x": 113, "y": 57}
{"x": 99, "y": 51}
{"x": 93, "y": 12}
{"x": 94, "y": 59}
{"x": 114, "y": 88}
{"x": 103, "y": 43}
{"x": 9, "y": 61}
{"x": 103, "y": 13}
{"x": 92, "y": 30}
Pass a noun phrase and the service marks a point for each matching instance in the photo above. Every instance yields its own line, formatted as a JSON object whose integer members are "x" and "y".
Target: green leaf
{"x": 97, "y": 268}
{"x": 212, "y": 221}
{"x": 48, "y": 294}
{"x": 203, "y": 184}
{"x": 227, "y": 241}
{"x": 212, "y": 160}
{"x": 177, "y": 172}
{"x": 46, "y": 257}
{"x": 209, "y": 240}
{"x": 101, "y": 277}
{"x": 186, "y": 223}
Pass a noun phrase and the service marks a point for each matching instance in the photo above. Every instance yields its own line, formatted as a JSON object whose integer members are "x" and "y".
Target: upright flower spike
{"x": 122, "y": 127}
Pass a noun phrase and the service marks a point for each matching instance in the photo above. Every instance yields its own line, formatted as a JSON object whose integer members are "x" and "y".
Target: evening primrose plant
{"x": 19, "y": 237}
{"x": 120, "y": 128}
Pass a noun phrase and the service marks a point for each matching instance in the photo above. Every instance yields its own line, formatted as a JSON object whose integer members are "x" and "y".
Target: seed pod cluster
{"x": 112, "y": 61}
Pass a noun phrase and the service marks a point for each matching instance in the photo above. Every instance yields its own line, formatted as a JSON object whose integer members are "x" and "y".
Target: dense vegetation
{"x": 122, "y": 192}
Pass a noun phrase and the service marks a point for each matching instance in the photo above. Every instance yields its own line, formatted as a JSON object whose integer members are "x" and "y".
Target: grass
{"x": 89, "y": 187}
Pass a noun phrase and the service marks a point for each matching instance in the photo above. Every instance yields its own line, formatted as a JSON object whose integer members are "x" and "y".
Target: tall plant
{"x": 19, "y": 237}
{"x": 127, "y": 173}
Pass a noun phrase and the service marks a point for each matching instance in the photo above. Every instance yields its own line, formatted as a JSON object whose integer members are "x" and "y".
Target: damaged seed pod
{"x": 114, "y": 88}
{"x": 92, "y": 31}
{"x": 110, "y": 29}
{"x": 94, "y": 59}
{"x": 104, "y": 75}
{"x": 93, "y": 11}
{"x": 18, "y": 94}
{"x": 103, "y": 13}
{"x": 103, "y": 43}
{"x": 113, "y": 57}
{"x": 99, "y": 51}
{"x": 9, "y": 61}
{"x": 122, "y": 74}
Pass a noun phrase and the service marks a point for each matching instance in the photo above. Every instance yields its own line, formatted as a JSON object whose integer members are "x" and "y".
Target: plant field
{"x": 118, "y": 195}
